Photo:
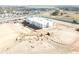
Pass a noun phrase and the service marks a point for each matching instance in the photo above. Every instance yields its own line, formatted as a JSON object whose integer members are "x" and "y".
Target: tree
{"x": 55, "y": 13}
{"x": 74, "y": 21}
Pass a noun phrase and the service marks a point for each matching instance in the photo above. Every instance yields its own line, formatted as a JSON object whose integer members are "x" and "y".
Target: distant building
{"x": 40, "y": 22}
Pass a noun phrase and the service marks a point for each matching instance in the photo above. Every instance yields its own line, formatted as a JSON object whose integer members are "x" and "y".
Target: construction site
{"x": 37, "y": 33}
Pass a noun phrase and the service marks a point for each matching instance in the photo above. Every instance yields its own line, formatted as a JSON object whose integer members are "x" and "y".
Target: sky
{"x": 39, "y": 2}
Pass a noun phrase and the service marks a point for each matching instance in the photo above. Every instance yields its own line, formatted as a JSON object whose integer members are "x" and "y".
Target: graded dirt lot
{"x": 14, "y": 38}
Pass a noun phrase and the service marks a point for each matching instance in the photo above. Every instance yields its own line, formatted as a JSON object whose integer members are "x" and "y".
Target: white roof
{"x": 39, "y": 20}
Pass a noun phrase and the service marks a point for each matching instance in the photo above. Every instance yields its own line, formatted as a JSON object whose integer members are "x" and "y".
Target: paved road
{"x": 67, "y": 23}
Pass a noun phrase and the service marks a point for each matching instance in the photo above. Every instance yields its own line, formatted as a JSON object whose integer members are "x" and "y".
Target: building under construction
{"x": 40, "y": 22}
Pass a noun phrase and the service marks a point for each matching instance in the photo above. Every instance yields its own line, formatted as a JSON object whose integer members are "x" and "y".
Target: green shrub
{"x": 74, "y": 21}
{"x": 55, "y": 13}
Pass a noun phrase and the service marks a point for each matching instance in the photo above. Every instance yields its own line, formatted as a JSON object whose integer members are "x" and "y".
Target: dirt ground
{"x": 14, "y": 38}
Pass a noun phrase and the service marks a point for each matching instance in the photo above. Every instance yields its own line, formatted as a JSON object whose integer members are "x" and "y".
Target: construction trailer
{"x": 40, "y": 22}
